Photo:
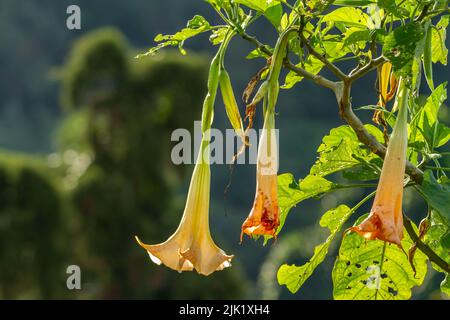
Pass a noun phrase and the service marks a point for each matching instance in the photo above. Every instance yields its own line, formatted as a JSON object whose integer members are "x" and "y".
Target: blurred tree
{"x": 31, "y": 230}
{"x": 129, "y": 108}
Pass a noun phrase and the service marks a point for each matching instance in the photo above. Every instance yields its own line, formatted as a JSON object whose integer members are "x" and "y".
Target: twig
{"x": 314, "y": 77}
{"x": 424, "y": 248}
{"x": 373, "y": 64}
{"x": 333, "y": 68}
{"x": 346, "y": 112}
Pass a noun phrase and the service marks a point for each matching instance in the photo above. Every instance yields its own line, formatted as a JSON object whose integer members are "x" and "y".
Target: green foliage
{"x": 291, "y": 193}
{"x": 404, "y": 46}
{"x": 195, "y": 26}
{"x": 439, "y": 35}
{"x": 271, "y": 9}
{"x": 30, "y": 216}
{"x": 341, "y": 150}
{"x": 319, "y": 35}
{"x": 293, "y": 277}
{"x": 375, "y": 270}
{"x": 112, "y": 172}
{"x": 436, "y": 193}
{"x": 425, "y": 126}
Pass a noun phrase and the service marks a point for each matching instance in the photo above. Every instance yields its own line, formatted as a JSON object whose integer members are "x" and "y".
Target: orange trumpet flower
{"x": 385, "y": 221}
{"x": 264, "y": 216}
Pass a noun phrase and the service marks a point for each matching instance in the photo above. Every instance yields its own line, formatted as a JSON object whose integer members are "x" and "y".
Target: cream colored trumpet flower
{"x": 191, "y": 246}
{"x": 264, "y": 216}
{"x": 385, "y": 221}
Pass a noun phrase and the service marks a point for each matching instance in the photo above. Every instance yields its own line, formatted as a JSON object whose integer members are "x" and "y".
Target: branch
{"x": 373, "y": 64}
{"x": 342, "y": 91}
{"x": 424, "y": 248}
{"x": 313, "y": 77}
{"x": 341, "y": 75}
{"x": 346, "y": 112}
{"x": 423, "y": 13}
{"x": 259, "y": 45}
{"x": 288, "y": 65}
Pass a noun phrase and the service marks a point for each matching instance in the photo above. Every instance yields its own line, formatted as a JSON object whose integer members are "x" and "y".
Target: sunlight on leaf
{"x": 341, "y": 150}
{"x": 371, "y": 270}
{"x": 291, "y": 193}
{"x": 403, "y": 46}
{"x": 292, "y": 276}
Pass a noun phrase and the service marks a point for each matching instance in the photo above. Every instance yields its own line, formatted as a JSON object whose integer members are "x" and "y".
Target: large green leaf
{"x": 436, "y": 193}
{"x": 292, "y": 276}
{"x": 403, "y": 46}
{"x": 375, "y": 270}
{"x": 341, "y": 149}
{"x": 439, "y": 34}
{"x": 291, "y": 193}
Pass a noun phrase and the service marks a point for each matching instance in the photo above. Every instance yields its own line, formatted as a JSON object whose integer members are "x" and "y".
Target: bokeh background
{"x": 85, "y": 156}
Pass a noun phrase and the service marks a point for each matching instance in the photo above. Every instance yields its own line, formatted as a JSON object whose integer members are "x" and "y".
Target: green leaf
{"x": 341, "y": 150}
{"x": 218, "y": 35}
{"x": 375, "y": 270}
{"x": 258, "y": 5}
{"x": 392, "y": 7}
{"x": 424, "y": 126}
{"x": 350, "y": 17}
{"x": 198, "y": 22}
{"x": 291, "y": 193}
{"x": 438, "y": 239}
{"x": 439, "y": 34}
{"x": 257, "y": 53}
{"x": 442, "y": 135}
{"x": 354, "y": 36}
{"x": 365, "y": 171}
{"x": 225, "y": 4}
{"x": 292, "y": 276}
{"x": 403, "y": 46}
{"x": 195, "y": 26}
{"x": 438, "y": 236}
{"x": 274, "y": 14}
{"x": 436, "y": 193}
{"x": 272, "y": 9}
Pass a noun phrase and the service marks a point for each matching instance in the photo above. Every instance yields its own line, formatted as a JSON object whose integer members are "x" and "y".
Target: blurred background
{"x": 85, "y": 156}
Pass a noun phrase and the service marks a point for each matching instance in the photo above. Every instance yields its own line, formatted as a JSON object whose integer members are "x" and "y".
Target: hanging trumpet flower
{"x": 385, "y": 221}
{"x": 191, "y": 246}
{"x": 264, "y": 216}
